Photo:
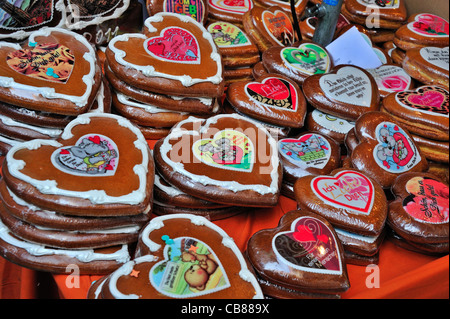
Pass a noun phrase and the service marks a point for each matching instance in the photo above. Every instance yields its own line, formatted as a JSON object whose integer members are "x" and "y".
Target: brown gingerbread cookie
{"x": 347, "y": 92}
{"x": 196, "y": 9}
{"x": 228, "y": 10}
{"x": 386, "y": 149}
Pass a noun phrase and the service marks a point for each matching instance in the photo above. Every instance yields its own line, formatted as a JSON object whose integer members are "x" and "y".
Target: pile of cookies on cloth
{"x": 243, "y": 109}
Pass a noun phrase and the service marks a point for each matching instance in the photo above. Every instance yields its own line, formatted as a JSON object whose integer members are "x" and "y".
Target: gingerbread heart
{"x": 299, "y": 62}
{"x": 303, "y": 253}
{"x": 233, "y": 6}
{"x": 273, "y": 99}
{"x": 429, "y": 25}
{"x": 309, "y": 153}
{"x": 183, "y": 256}
{"x": 346, "y": 92}
{"x": 391, "y": 78}
{"x": 386, "y": 149}
{"x": 56, "y": 72}
{"x": 423, "y": 111}
{"x": 349, "y": 199}
{"x": 35, "y": 16}
{"x": 197, "y": 9}
{"x": 221, "y": 160}
{"x": 175, "y": 51}
{"x": 82, "y": 172}
{"x": 420, "y": 212}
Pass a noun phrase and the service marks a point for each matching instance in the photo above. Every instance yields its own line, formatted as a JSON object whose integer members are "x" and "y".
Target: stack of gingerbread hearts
{"x": 381, "y": 17}
{"x": 45, "y": 83}
{"x": 181, "y": 256}
{"x": 425, "y": 113}
{"x": 239, "y": 54}
{"x": 225, "y": 159}
{"x": 353, "y": 203}
{"x": 419, "y": 215}
{"x": 71, "y": 200}
{"x": 301, "y": 258}
{"x": 228, "y": 10}
{"x": 163, "y": 75}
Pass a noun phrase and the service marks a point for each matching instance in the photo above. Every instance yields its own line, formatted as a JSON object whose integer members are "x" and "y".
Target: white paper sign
{"x": 352, "y": 48}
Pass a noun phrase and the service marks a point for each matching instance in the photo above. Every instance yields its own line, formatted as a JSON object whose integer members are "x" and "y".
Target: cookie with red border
{"x": 423, "y": 111}
{"x": 83, "y": 171}
{"x": 229, "y": 10}
{"x": 347, "y": 92}
{"x": 428, "y": 65}
{"x": 269, "y": 27}
{"x": 422, "y": 29}
{"x": 420, "y": 211}
{"x": 272, "y": 98}
{"x": 297, "y": 62}
{"x": 220, "y": 159}
{"x": 386, "y": 149}
{"x": 174, "y": 51}
{"x": 383, "y": 14}
{"x": 206, "y": 261}
{"x": 55, "y": 71}
{"x": 196, "y": 9}
{"x": 349, "y": 200}
{"x": 302, "y": 253}
{"x": 308, "y": 153}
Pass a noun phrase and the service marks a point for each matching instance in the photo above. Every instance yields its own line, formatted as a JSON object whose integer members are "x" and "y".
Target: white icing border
{"x": 48, "y": 92}
{"x": 83, "y": 255}
{"x": 150, "y": 108}
{"x": 51, "y": 132}
{"x": 149, "y": 70}
{"x": 22, "y": 34}
{"x": 234, "y": 186}
{"x": 227, "y": 241}
{"x": 99, "y": 19}
{"x": 95, "y": 196}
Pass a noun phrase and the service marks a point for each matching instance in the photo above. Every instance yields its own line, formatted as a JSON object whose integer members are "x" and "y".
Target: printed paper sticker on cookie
{"x": 228, "y": 149}
{"x": 92, "y": 155}
{"x": 227, "y": 35}
{"x": 49, "y": 61}
{"x": 190, "y": 269}
{"x": 349, "y": 190}
{"x": 273, "y": 92}
{"x": 174, "y": 45}
{"x": 279, "y": 27}
{"x": 311, "y": 150}
{"x": 192, "y": 8}
{"x": 428, "y": 200}
{"x": 433, "y": 100}
{"x": 308, "y": 58}
{"x": 309, "y": 246}
{"x": 396, "y": 152}
{"x": 429, "y": 25}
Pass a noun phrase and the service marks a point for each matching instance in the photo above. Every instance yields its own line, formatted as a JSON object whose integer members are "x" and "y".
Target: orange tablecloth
{"x": 403, "y": 274}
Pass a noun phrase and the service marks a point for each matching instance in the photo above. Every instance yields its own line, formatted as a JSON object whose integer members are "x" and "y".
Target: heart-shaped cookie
{"x": 226, "y": 159}
{"x": 347, "y": 92}
{"x": 386, "y": 149}
{"x": 55, "y": 72}
{"x": 197, "y": 9}
{"x": 422, "y": 29}
{"x": 183, "y": 256}
{"x": 83, "y": 171}
{"x": 299, "y": 62}
{"x": 228, "y": 10}
{"x": 273, "y": 99}
{"x": 420, "y": 212}
{"x": 423, "y": 111}
{"x": 303, "y": 253}
{"x": 174, "y": 51}
{"x": 309, "y": 153}
{"x": 269, "y": 27}
{"x": 428, "y": 65}
{"x": 349, "y": 199}
{"x": 391, "y": 78}
{"x": 34, "y": 16}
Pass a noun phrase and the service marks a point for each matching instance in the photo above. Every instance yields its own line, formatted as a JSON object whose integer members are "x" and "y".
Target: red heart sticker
{"x": 174, "y": 45}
